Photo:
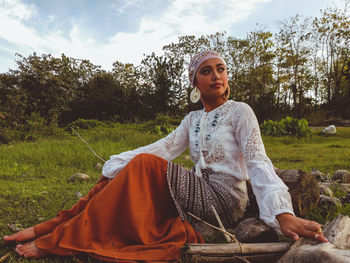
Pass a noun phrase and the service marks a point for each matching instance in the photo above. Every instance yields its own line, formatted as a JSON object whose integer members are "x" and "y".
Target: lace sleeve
{"x": 168, "y": 148}
{"x": 271, "y": 193}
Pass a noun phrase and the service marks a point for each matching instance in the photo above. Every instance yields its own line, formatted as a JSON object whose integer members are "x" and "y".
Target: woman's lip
{"x": 217, "y": 85}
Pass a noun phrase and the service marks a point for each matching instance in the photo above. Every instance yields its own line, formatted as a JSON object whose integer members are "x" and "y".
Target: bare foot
{"x": 30, "y": 250}
{"x": 23, "y": 235}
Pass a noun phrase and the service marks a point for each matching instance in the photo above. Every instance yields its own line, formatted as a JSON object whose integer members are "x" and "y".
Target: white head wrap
{"x": 198, "y": 59}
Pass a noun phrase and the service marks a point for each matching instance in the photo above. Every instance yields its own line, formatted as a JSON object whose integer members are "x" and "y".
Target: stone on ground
{"x": 337, "y": 250}
{"x": 341, "y": 176}
{"x": 303, "y": 188}
{"x": 253, "y": 230}
{"x": 80, "y": 177}
{"x": 325, "y": 190}
{"x": 330, "y": 130}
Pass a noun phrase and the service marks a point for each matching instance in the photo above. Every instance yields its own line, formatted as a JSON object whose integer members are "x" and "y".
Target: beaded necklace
{"x": 201, "y": 127}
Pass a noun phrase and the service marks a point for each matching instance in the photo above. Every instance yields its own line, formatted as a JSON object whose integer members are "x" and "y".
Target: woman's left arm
{"x": 271, "y": 193}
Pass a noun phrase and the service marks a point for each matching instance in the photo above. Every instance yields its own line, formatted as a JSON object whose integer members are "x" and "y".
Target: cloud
{"x": 181, "y": 17}
{"x": 15, "y": 9}
{"x": 126, "y": 5}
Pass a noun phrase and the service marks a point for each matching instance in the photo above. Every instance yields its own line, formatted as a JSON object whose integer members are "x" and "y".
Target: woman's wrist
{"x": 283, "y": 216}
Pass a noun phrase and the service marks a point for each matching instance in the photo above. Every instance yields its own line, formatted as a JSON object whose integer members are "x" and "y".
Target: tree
{"x": 332, "y": 31}
{"x": 104, "y": 98}
{"x": 161, "y": 88}
{"x": 293, "y": 51}
{"x": 129, "y": 77}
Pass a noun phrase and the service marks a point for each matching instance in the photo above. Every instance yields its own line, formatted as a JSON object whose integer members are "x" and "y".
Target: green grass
{"x": 326, "y": 154}
{"x": 34, "y": 176}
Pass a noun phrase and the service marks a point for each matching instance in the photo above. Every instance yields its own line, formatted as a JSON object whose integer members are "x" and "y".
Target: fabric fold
{"x": 132, "y": 217}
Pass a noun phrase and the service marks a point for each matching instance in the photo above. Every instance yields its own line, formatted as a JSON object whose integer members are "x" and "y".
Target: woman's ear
{"x": 195, "y": 82}
{"x": 227, "y": 92}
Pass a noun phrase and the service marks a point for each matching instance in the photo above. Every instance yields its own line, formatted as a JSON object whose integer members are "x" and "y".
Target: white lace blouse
{"x": 229, "y": 137}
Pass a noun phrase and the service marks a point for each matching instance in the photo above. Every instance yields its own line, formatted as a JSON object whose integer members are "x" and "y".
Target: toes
{"x": 22, "y": 249}
{"x": 29, "y": 250}
{"x": 9, "y": 238}
{"x": 19, "y": 249}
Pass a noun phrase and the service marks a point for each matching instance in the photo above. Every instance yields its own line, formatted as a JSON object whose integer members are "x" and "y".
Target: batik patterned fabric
{"x": 197, "y": 194}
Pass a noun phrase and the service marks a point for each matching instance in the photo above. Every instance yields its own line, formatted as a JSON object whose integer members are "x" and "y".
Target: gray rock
{"x": 341, "y": 176}
{"x": 79, "y": 195}
{"x": 329, "y": 201}
{"x": 321, "y": 177}
{"x": 253, "y": 230}
{"x": 328, "y": 205}
{"x": 303, "y": 188}
{"x": 311, "y": 251}
{"x": 80, "y": 177}
{"x": 325, "y": 190}
{"x": 340, "y": 187}
{"x": 338, "y": 232}
{"x": 330, "y": 130}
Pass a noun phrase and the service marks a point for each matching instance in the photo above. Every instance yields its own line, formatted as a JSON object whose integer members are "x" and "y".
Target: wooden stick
{"x": 215, "y": 227}
{"x": 228, "y": 238}
{"x": 3, "y": 258}
{"x": 269, "y": 257}
{"x": 234, "y": 248}
{"x": 87, "y": 145}
{"x": 230, "y": 259}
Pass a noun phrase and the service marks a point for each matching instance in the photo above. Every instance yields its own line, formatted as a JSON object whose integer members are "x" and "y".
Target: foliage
{"x": 161, "y": 125}
{"x": 86, "y": 124}
{"x": 286, "y": 126}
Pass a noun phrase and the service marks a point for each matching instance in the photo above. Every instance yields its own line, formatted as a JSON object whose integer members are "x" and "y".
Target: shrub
{"x": 286, "y": 126}
{"x": 161, "y": 125}
{"x": 85, "y": 124}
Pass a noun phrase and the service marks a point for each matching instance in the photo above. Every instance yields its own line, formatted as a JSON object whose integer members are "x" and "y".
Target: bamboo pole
{"x": 3, "y": 258}
{"x": 261, "y": 258}
{"x": 228, "y": 238}
{"x": 234, "y": 248}
{"x": 215, "y": 227}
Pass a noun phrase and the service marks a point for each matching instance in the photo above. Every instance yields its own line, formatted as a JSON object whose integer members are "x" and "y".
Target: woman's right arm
{"x": 167, "y": 148}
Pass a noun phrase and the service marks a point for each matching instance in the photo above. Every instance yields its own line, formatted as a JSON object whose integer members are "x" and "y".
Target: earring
{"x": 195, "y": 95}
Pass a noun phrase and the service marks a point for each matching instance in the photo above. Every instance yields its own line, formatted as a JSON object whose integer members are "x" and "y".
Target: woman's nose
{"x": 215, "y": 75}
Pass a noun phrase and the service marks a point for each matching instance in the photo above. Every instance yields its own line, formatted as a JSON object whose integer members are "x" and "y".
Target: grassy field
{"x": 34, "y": 176}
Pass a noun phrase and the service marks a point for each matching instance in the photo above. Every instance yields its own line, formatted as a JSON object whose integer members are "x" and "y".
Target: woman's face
{"x": 211, "y": 79}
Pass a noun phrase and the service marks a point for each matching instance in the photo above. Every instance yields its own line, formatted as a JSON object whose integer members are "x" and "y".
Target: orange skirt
{"x": 131, "y": 217}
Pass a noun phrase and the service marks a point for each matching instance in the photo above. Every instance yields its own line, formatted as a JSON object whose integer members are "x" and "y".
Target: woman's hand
{"x": 294, "y": 227}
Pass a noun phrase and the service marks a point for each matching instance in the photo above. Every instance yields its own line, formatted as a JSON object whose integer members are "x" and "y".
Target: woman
{"x": 138, "y": 210}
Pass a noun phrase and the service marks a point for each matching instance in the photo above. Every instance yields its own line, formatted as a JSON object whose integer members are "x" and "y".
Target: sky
{"x": 105, "y": 31}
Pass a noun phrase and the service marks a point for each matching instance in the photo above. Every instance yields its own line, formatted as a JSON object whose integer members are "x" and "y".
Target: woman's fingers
{"x": 292, "y": 235}
{"x": 316, "y": 234}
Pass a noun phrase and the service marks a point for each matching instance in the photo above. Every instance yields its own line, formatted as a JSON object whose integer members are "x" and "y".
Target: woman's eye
{"x": 222, "y": 69}
{"x": 205, "y": 71}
